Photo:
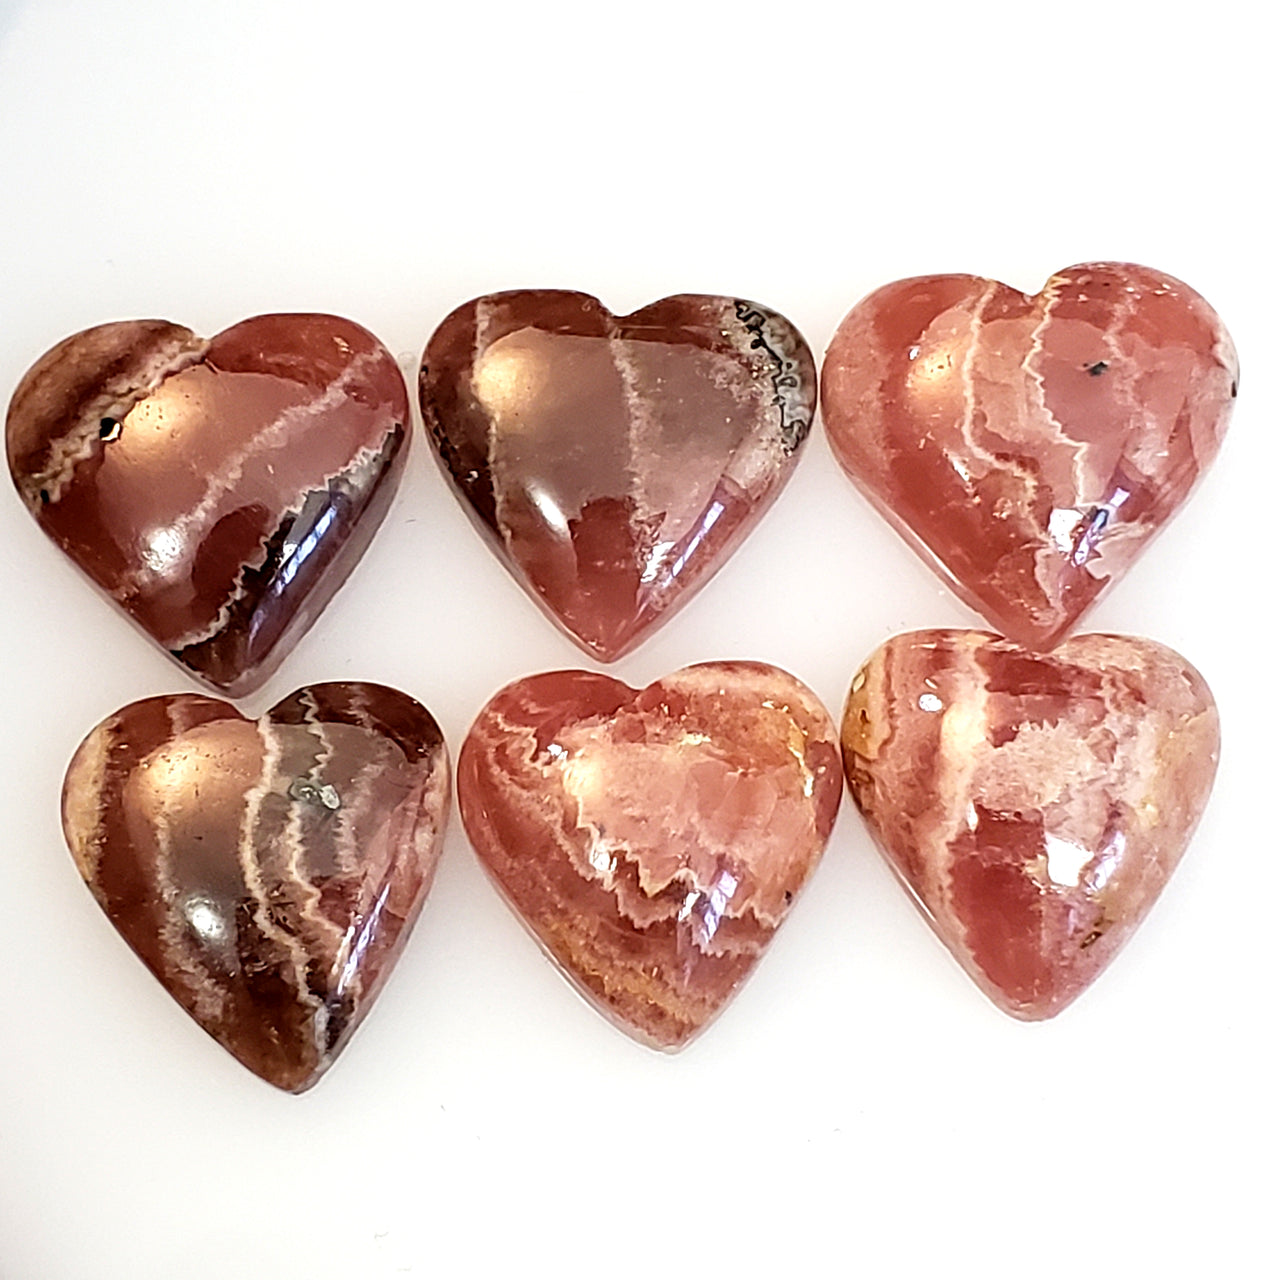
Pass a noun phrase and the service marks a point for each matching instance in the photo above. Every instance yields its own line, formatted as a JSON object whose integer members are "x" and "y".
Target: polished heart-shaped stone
{"x": 652, "y": 841}
{"x": 1033, "y": 804}
{"x": 1029, "y": 447}
{"x": 268, "y": 872}
{"x": 219, "y": 491}
{"x": 615, "y": 463}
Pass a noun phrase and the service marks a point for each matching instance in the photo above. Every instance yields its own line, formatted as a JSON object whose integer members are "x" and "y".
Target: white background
{"x": 860, "y": 1108}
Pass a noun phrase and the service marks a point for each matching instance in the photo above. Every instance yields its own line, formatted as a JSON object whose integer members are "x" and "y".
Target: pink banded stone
{"x": 1029, "y": 447}
{"x": 1033, "y": 804}
{"x": 267, "y": 872}
{"x": 615, "y": 463}
{"x": 653, "y": 841}
{"x": 220, "y": 491}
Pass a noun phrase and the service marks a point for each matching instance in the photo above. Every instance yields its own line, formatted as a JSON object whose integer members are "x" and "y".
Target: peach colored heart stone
{"x": 268, "y": 872}
{"x": 653, "y": 841}
{"x": 615, "y": 463}
{"x": 1033, "y": 804}
{"x": 218, "y": 491}
{"x": 1029, "y": 447}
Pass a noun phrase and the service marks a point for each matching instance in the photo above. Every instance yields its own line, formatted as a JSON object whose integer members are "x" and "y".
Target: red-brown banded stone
{"x": 652, "y": 841}
{"x": 268, "y": 872}
{"x": 218, "y": 491}
{"x": 1029, "y": 447}
{"x": 615, "y": 463}
{"x": 1033, "y": 804}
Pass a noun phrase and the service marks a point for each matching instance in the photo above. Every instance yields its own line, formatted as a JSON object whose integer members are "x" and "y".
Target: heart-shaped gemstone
{"x": 615, "y": 463}
{"x": 653, "y": 840}
{"x": 218, "y": 491}
{"x": 1034, "y": 804}
{"x": 267, "y": 872}
{"x": 1029, "y": 447}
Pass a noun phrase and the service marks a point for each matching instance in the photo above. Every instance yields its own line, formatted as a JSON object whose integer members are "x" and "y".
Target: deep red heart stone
{"x": 1033, "y": 804}
{"x": 1029, "y": 447}
{"x": 615, "y": 463}
{"x": 653, "y": 841}
{"x": 268, "y": 872}
{"x": 218, "y": 491}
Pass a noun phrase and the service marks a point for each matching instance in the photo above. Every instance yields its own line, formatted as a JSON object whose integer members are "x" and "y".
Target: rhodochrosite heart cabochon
{"x": 1034, "y": 804}
{"x": 266, "y": 871}
{"x": 652, "y": 840}
{"x": 615, "y": 463}
{"x": 1029, "y": 447}
{"x": 219, "y": 491}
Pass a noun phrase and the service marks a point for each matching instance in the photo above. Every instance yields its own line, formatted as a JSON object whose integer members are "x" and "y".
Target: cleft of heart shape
{"x": 218, "y": 491}
{"x": 1028, "y": 448}
{"x": 268, "y": 871}
{"x": 652, "y": 840}
{"x": 615, "y": 463}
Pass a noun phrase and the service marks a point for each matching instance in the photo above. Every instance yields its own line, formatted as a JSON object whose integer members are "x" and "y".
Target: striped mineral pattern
{"x": 615, "y": 463}
{"x": 1034, "y": 804}
{"x": 267, "y": 872}
{"x": 1029, "y": 447}
{"x": 652, "y": 841}
{"x": 218, "y": 491}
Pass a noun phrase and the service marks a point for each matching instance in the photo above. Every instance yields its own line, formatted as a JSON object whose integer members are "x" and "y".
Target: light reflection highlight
{"x": 163, "y": 550}
{"x": 296, "y": 552}
{"x": 206, "y": 920}
{"x": 713, "y": 513}
{"x": 1066, "y": 860}
{"x": 506, "y": 379}
{"x": 708, "y": 909}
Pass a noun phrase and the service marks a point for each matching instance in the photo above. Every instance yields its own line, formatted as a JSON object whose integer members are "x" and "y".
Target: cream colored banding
{"x": 364, "y": 458}
{"x": 82, "y": 812}
{"x": 967, "y": 379}
{"x": 226, "y": 477}
{"x": 637, "y": 419}
{"x": 1053, "y": 428}
{"x": 252, "y": 872}
{"x": 295, "y": 848}
{"x": 963, "y": 734}
{"x": 78, "y": 444}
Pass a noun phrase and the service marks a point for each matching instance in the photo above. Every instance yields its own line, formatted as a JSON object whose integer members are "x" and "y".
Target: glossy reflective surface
{"x": 615, "y": 463}
{"x": 218, "y": 491}
{"x": 1034, "y": 804}
{"x": 653, "y": 840}
{"x": 267, "y": 872}
{"x": 1030, "y": 447}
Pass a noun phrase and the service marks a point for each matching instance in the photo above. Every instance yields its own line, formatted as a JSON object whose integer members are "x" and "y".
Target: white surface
{"x": 860, "y": 1108}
